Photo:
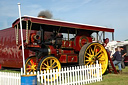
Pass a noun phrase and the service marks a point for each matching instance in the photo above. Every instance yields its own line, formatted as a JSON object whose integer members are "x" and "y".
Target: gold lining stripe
{"x": 27, "y": 32}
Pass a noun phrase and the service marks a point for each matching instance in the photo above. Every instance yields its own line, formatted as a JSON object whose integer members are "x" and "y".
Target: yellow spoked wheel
{"x": 30, "y": 65}
{"x": 92, "y": 52}
{"x": 49, "y": 63}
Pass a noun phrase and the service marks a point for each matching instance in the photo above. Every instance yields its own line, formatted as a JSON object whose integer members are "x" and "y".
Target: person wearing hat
{"x": 117, "y": 59}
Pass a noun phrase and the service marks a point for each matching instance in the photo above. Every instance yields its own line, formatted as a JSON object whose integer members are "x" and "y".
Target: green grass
{"x": 11, "y": 70}
{"x": 114, "y": 79}
{"x": 108, "y": 79}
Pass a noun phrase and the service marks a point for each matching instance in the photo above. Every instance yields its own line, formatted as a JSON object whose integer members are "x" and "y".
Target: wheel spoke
{"x": 86, "y": 60}
{"x": 94, "y": 48}
{"x": 29, "y": 65}
{"x": 100, "y": 55}
{"x": 86, "y": 56}
{"x": 99, "y": 52}
{"x": 43, "y": 68}
{"x": 51, "y": 62}
{"x": 89, "y": 51}
{"x": 45, "y": 64}
{"x": 34, "y": 70}
{"x": 92, "y": 51}
{"x": 31, "y": 61}
{"x": 91, "y": 63}
{"x": 28, "y": 68}
{"x": 87, "y": 63}
{"x": 89, "y": 54}
{"x": 55, "y": 66}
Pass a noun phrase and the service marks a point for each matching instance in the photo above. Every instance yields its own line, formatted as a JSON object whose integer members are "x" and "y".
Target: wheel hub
{"x": 33, "y": 67}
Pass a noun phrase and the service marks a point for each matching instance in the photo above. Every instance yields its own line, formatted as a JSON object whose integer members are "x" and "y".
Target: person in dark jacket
{"x": 117, "y": 59}
{"x": 123, "y": 54}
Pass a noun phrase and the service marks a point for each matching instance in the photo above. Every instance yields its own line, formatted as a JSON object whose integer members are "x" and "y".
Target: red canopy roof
{"x": 63, "y": 24}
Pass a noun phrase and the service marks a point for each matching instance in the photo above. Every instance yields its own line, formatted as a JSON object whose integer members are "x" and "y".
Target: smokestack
{"x": 45, "y": 14}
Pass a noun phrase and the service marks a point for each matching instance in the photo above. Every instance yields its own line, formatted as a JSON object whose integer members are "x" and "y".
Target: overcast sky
{"x": 107, "y": 13}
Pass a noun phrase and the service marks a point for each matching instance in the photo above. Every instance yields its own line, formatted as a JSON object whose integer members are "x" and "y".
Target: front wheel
{"x": 48, "y": 63}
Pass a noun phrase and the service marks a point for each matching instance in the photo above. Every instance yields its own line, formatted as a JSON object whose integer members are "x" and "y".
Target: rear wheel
{"x": 30, "y": 65}
{"x": 48, "y": 63}
{"x": 91, "y": 52}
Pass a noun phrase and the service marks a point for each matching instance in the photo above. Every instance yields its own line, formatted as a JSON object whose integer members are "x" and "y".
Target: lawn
{"x": 114, "y": 79}
{"x": 10, "y": 70}
{"x": 108, "y": 79}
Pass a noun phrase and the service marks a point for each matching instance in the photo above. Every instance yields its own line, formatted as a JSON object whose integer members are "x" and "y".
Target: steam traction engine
{"x": 46, "y": 48}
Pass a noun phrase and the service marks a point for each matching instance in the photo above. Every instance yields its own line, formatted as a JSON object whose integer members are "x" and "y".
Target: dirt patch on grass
{"x": 124, "y": 72}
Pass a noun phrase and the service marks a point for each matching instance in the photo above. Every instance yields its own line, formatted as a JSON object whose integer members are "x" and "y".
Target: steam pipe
{"x": 42, "y": 34}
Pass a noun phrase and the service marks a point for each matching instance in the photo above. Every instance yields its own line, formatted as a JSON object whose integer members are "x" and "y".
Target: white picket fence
{"x": 77, "y": 75}
{"x": 7, "y": 78}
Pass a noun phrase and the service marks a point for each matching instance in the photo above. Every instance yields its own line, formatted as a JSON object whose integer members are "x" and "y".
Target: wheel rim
{"x": 96, "y": 51}
{"x": 30, "y": 65}
{"x": 48, "y": 64}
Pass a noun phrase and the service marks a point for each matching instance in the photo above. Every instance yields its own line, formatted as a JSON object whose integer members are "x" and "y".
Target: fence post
{"x": 101, "y": 73}
{"x": 68, "y": 75}
{"x": 54, "y": 76}
{"x": 65, "y": 75}
{"x": 44, "y": 77}
{"x": 87, "y": 74}
{"x": 60, "y": 78}
{"x": 39, "y": 78}
{"x": 57, "y": 75}
{"x": 97, "y": 66}
{"x": 81, "y": 75}
{"x": 73, "y": 75}
{"x": 76, "y": 75}
{"x": 21, "y": 71}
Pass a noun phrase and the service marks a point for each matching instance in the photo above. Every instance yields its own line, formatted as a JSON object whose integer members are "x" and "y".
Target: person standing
{"x": 123, "y": 54}
{"x": 117, "y": 59}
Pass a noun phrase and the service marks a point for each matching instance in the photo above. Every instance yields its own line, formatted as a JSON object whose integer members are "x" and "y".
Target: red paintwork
{"x": 80, "y": 41}
{"x": 67, "y": 44}
{"x": 68, "y": 58}
{"x": 11, "y": 55}
{"x": 63, "y": 24}
{"x": 63, "y": 58}
{"x": 72, "y": 58}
